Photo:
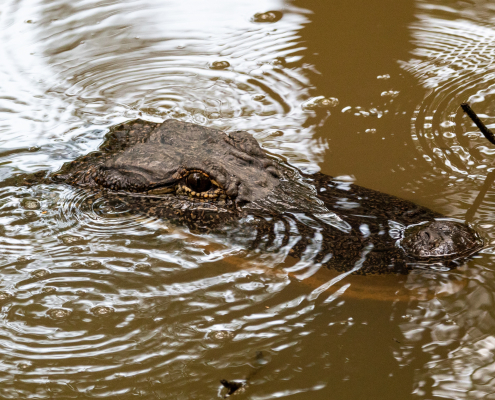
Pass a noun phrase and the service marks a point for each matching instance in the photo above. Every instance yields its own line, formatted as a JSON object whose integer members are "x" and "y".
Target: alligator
{"x": 209, "y": 180}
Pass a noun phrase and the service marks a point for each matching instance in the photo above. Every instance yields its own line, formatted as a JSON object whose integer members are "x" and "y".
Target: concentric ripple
{"x": 97, "y": 302}
{"x": 93, "y": 213}
{"x": 454, "y": 59}
{"x": 95, "y": 64}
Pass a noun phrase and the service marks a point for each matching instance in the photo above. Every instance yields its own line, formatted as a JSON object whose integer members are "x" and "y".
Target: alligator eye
{"x": 198, "y": 182}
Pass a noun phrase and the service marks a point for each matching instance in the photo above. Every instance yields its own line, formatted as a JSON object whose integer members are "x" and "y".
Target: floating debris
{"x": 383, "y": 77}
{"x": 49, "y": 289}
{"x": 269, "y": 16}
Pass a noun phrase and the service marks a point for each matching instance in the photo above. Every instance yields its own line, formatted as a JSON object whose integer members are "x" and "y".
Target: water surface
{"x": 98, "y": 303}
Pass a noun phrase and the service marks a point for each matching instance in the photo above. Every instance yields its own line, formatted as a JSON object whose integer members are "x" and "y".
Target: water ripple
{"x": 454, "y": 61}
{"x": 97, "y": 63}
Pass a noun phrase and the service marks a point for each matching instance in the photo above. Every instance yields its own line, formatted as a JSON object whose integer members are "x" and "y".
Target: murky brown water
{"x": 96, "y": 303}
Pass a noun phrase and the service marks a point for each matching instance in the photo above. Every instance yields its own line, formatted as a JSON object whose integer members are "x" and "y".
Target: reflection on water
{"x": 98, "y": 302}
{"x": 71, "y": 69}
{"x": 453, "y": 62}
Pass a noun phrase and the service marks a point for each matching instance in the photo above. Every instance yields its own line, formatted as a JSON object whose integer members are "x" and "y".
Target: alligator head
{"x": 198, "y": 162}
{"x": 205, "y": 178}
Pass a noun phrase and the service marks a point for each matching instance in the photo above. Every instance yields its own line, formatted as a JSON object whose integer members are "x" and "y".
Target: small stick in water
{"x": 490, "y": 178}
{"x": 481, "y": 126}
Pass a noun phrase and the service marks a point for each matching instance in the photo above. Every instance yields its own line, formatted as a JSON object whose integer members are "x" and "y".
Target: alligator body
{"x": 207, "y": 179}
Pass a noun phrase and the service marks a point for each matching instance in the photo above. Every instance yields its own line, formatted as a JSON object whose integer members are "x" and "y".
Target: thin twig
{"x": 481, "y": 126}
{"x": 481, "y": 196}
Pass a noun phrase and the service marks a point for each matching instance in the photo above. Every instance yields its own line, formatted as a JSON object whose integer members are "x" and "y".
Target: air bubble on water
{"x": 76, "y": 264}
{"x": 222, "y": 335}
{"x": 4, "y": 296}
{"x": 58, "y": 313}
{"x": 447, "y": 124}
{"x": 101, "y": 311}
{"x": 30, "y": 214}
{"x": 142, "y": 267}
{"x": 200, "y": 118}
{"x": 371, "y": 130}
{"x": 449, "y": 135}
{"x": 320, "y": 102}
{"x": 93, "y": 263}
{"x": 219, "y": 64}
{"x": 269, "y": 16}
{"x": 30, "y": 204}
{"x": 383, "y": 77}
{"x": 390, "y": 93}
{"x": 24, "y": 365}
{"x": 329, "y": 102}
{"x": 70, "y": 239}
{"x": 279, "y": 61}
{"x": 40, "y": 273}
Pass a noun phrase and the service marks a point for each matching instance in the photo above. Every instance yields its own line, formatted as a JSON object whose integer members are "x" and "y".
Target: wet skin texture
{"x": 209, "y": 180}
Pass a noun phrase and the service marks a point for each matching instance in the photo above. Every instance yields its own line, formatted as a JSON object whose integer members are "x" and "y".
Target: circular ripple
{"x": 454, "y": 61}
{"x": 94, "y": 214}
{"x": 153, "y": 60}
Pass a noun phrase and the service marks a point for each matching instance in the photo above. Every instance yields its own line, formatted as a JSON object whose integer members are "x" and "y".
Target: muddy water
{"x": 98, "y": 303}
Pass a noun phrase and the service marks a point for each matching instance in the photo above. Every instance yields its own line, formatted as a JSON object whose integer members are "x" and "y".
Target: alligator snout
{"x": 440, "y": 238}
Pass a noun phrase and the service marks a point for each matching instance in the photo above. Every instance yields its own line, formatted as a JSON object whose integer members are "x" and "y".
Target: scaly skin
{"x": 208, "y": 180}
